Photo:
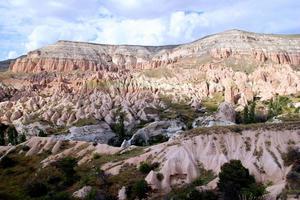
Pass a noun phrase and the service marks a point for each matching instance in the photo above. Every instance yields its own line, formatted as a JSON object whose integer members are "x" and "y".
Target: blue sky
{"x": 29, "y": 24}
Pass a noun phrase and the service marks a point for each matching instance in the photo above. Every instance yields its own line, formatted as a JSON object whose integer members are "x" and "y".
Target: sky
{"x": 26, "y": 25}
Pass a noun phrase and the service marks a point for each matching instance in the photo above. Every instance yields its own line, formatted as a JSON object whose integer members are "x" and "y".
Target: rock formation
{"x": 69, "y": 56}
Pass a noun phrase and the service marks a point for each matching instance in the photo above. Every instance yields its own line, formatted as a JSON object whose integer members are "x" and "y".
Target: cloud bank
{"x": 26, "y": 25}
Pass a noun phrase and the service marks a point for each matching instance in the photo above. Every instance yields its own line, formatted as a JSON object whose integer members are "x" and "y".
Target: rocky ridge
{"x": 260, "y": 149}
{"x": 69, "y": 56}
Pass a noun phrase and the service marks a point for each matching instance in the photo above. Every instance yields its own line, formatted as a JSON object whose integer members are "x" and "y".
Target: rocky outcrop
{"x": 259, "y": 150}
{"x": 69, "y": 56}
{"x": 82, "y": 193}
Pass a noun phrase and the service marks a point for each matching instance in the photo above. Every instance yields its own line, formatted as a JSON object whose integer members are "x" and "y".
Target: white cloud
{"x": 12, "y": 54}
{"x": 29, "y": 24}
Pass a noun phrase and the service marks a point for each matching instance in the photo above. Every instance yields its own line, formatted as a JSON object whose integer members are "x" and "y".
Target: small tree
{"x": 67, "y": 166}
{"x": 236, "y": 182}
{"x": 139, "y": 190}
{"x": 22, "y": 138}
{"x": 12, "y": 136}
{"x": 252, "y": 118}
{"x": 246, "y": 115}
{"x": 42, "y": 133}
{"x": 2, "y": 138}
{"x": 119, "y": 127}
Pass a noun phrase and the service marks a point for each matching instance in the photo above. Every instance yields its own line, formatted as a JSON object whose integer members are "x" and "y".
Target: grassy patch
{"x": 175, "y": 110}
{"x": 212, "y": 104}
{"x": 160, "y": 72}
{"x": 85, "y": 122}
{"x": 102, "y": 159}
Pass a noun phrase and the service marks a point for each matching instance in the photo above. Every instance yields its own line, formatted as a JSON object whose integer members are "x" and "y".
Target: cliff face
{"x": 68, "y": 56}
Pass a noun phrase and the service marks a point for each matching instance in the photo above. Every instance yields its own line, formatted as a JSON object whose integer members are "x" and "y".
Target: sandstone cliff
{"x": 68, "y": 56}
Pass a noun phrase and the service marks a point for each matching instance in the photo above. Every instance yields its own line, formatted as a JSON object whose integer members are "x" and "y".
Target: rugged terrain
{"x": 82, "y": 99}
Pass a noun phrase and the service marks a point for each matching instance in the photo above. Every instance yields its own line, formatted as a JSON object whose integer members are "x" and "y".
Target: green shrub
{"x": 7, "y": 162}
{"x": 22, "y": 138}
{"x": 160, "y": 176}
{"x": 157, "y": 139}
{"x": 292, "y": 155}
{"x": 191, "y": 193}
{"x": 119, "y": 127}
{"x": 138, "y": 190}
{"x": 35, "y": 188}
{"x": 293, "y": 177}
{"x": 277, "y": 106}
{"x": 96, "y": 156}
{"x": 145, "y": 167}
{"x": 67, "y": 166}
{"x": 203, "y": 195}
{"x": 25, "y": 148}
{"x": 2, "y": 138}
{"x": 92, "y": 195}
{"x": 42, "y": 133}
{"x": 235, "y": 180}
{"x": 12, "y": 136}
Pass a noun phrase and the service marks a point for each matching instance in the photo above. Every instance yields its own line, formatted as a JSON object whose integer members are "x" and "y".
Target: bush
{"x": 119, "y": 127}
{"x": 253, "y": 192}
{"x": 12, "y": 136}
{"x": 293, "y": 177}
{"x": 145, "y": 167}
{"x": 190, "y": 193}
{"x": 96, "y": 156}
{"x": 157, "y": 139}
{"x": 138, "y": 190}
{"x": 67, "y": 166}
{"x": 292, "y": 155}
{"x": 277, "y": 106}
{"x": 160, "y": 176}
{"x": 35, "y": 188}
{"x": 42, "y": 133}
{"x": 22, "y": 138}
{"x": 203, "y": 195}
{"x": 25, "y": 148}
{"x": 235, "y": 180}
{"x": 7, "y": 162}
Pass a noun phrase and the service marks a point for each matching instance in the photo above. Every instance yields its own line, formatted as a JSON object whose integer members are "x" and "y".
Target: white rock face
{"x": 100, "y": 133}
{"x": 122, "y": 194}
{"x": 83, "y": 192}
{"x": 259, "y": 150}
{"x": 226, "y": 112}
{"x": 167, "y": 128}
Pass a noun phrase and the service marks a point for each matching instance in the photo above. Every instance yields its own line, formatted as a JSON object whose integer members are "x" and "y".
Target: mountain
{"x": 4, "y": 65}
{"x": 121, "y": 118}
{"x": 239, "y": 45}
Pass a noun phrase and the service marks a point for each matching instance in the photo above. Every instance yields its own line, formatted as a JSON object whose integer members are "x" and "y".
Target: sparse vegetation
{"x": 177, "y": 110}
{"x": 212, "y": 104}
{"x": 138, "y": 190}
{"x": 145, "y": 167}
{"x": 160, "y": 176}
{"x": 85, "y": 122}
{"x": 236, "y": 182}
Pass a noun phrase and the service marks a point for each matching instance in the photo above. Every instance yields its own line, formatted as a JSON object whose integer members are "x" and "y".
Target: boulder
{"x": 83, "y": 192}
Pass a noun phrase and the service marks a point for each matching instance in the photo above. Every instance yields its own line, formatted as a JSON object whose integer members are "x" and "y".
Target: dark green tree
{"x": 252, "y": 118}
{"x": 246, "y": 115}
{"x": 67, "y": 166}
{"x": 12, "y": 136}
{"x": 119, "y": 127}
{"x": 22, "y": 138}
{"x": 42, "y": 133}
{"x": 235, "y": 182}
{"x": 139, "y": 190}
{"x": 2, "y": 138}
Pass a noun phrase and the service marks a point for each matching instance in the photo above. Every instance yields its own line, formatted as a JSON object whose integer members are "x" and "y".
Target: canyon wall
{"x": 66, "y": 56}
